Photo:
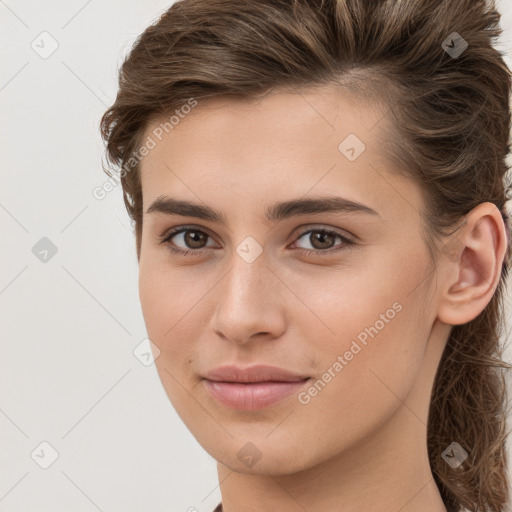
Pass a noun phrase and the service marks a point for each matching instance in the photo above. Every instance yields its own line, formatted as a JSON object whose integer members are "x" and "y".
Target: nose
{"x": 250, "y": 303}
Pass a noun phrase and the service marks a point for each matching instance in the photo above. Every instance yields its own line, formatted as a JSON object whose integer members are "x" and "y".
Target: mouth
{"x": 252, "y": 395}
{"x": 252, "y": 387}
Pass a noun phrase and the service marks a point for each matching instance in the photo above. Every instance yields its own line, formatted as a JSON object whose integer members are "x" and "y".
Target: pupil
{"x": 190, "y": 239}
{"x": 321, "y": 236}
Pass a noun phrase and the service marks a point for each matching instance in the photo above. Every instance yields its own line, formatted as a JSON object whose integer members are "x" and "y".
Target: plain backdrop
{"x": 74, "y": 394}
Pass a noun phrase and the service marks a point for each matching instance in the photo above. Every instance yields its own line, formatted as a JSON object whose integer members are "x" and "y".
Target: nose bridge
{"x": 247, "y": 280}
{"x": 248, "y": 263}
{"x": 247, "y": 302}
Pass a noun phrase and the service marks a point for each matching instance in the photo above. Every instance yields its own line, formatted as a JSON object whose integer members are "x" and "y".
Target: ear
{"x": 471, "y": 260}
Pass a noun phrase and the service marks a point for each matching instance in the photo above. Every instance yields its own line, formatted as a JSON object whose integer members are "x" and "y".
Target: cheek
{"x": 166, "y": 294}
{"x": 374, "y": 319}
{"x": 167, "y": 307}
{"x": 370, "y": 361}
{"x": 168, "y": 313}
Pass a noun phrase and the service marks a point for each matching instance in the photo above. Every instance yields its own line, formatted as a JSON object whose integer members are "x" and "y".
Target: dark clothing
{"x": 218, "y": 508}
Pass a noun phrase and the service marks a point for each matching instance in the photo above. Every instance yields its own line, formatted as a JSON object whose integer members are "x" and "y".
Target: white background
{"x": 68, "y": 375}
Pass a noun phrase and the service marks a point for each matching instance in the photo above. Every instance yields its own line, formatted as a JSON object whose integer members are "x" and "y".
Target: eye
{"x": 192, "y": 238}
{"x": 322, "y": 241}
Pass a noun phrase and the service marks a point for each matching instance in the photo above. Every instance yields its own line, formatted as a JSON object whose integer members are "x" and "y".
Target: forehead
{"x": 286, "y": 142}
{"x": 320, "y": 115}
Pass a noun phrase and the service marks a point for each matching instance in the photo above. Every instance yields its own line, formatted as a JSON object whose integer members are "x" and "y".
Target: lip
{"x": 254, "y": 387}
{"x": 251, "y": 374}
{"x": 252, "y": 396}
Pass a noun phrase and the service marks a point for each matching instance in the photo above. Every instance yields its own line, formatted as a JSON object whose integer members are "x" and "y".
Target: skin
{"x": 360, "y": 443}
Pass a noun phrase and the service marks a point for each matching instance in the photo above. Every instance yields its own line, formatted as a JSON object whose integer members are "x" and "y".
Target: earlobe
{"x": 473, "y": 270}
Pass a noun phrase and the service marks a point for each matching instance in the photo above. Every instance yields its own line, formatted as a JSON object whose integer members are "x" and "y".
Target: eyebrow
{"x": 276, "y": 212}
{"x": 279, "y": 211}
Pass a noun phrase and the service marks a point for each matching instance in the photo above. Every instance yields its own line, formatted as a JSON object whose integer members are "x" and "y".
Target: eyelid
{"x": 181, "y": 228}
{"x": 301, "y": 231}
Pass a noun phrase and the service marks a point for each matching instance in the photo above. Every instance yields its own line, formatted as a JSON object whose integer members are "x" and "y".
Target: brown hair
{"x": 450, "y": 115}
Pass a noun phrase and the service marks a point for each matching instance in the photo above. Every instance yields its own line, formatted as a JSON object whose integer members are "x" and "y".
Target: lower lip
{"x": 253, "y": 396}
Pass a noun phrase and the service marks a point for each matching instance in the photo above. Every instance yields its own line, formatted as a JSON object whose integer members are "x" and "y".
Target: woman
{"x": 320, "y": 216}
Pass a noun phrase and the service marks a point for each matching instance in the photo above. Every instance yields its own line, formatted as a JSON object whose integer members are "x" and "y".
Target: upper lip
{"x": 256, "y": 373}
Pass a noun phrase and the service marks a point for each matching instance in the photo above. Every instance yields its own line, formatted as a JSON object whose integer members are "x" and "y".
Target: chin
{"x": 260, "y": 456}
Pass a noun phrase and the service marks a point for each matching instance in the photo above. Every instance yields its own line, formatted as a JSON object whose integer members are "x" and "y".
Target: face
{"x": 335, "y": 296}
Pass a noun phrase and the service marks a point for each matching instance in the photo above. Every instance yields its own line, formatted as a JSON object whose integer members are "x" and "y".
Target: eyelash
{"x": 166, "y": 239}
